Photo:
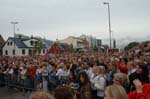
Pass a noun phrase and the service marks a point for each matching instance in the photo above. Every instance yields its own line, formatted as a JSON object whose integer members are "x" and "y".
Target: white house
{"x": 22, "y": 46}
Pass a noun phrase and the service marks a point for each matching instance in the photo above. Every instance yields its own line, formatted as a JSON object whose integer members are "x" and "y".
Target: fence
{"x": 29, "y": 83}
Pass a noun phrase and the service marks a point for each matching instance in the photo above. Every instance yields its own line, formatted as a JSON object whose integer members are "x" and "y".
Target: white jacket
{"x": 93, "y": 79}
{"x": 100, "y": 85}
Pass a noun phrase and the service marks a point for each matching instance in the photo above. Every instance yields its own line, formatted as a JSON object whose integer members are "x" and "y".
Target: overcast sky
{"x": 54, "y": 19}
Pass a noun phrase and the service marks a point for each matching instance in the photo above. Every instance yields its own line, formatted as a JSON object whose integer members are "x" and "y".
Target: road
{"x": 6, "y": 93}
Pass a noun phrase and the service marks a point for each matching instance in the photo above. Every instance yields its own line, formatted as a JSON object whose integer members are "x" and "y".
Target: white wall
{"x": 9, "y": 48}
{"x": 73, "y": 41}
{"x": 18, "y": 51}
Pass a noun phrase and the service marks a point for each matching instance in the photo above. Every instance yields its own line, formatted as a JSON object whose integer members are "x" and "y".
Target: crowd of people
{"x": 85, "y": 75}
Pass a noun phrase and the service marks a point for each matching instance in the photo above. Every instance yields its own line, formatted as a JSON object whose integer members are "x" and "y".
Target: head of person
{"x": 115, "y": 92}
{"x": 85, "y": 65}
{"x": 136, "y": 58}
{"x": 112, "y": 66}
{"x": 63, "y": 93}
{"x": 83, "y": 78}
{"x": 41, "y": 95}
{"x": 120, "y": 79}
{"x": 131, "y": 65}
{"x": 101, "y": 70}
{"x": 122, "y": 61}
{"x": 94, "y": 69}
{"x": 147, "y": 57}
{"x": 141, "y": 68}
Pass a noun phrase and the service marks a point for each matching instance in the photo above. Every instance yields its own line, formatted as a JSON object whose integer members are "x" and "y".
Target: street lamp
{"x": 14, "y": 23}
{"x": 107, "y": 3}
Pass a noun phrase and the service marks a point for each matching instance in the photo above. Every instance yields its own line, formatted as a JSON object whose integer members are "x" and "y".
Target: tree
{"x": 38, "y": 47}
{"x": 131, "y": 45}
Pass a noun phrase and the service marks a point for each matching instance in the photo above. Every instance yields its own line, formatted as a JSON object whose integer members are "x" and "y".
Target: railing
{"x": 29, "y": 83}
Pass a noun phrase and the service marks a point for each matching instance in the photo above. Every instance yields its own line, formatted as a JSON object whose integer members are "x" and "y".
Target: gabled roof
{"x": 19, "y": 43}
{"x": 48, "y": 43}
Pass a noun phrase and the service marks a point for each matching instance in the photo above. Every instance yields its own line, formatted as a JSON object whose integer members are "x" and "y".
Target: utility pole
{"x": 14, "y": 25}
{"x": 107, "y": 3}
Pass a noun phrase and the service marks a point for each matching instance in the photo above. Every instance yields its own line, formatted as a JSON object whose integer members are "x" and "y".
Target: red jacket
{"x": 145, "y": 94}
{"x": 32, "y": 72}
{"x": 123, "y": 69}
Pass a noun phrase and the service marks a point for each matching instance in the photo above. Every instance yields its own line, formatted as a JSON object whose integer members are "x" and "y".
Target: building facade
{"x": 74, "y": 41}
{"x": 93, "y": 42}
{"x": 23, "y": 47}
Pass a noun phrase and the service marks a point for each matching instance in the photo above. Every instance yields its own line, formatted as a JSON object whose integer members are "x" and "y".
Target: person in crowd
{"x": 121, "y": 79}
{"x": 147, "y": 62}
{"x": 112, "y": 69}
{"x": 141, "y": 92}
{"x": 52, "y": 78}
{"x": 131, "y": 67}
{"x": 115, "y": 92}
{"x": 122, "y": 65}
{"x": 87, "y": 68}
{"x": 64, "y": 75}
{"x": 41, "y": 95}
{"x": 100, "y": 82}
{"x": 44, "y": 78}
{"x": 141, "y": 73}
{"x": 63, "y": 93}
{"x": 59, "y": 70}
{"x": 15, "y": 74}
{"x": 85, "y": 86}
{"x": 39, "y": 77}
{"x": 93, "y": 80}
{"x": 31, "y": 76}
{"x": 22, "y": 71}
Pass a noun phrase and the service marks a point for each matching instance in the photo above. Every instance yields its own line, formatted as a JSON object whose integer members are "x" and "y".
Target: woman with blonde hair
{"x": 121, "y": 79}
{"x": 115, "y": 92}
{"x": 99, "y": 82}
{"x": 41, "y": 95}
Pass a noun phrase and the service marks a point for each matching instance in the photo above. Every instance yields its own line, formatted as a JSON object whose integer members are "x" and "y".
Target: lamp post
{"x": 14, "y": 24}
{"x": 107, "y": 3}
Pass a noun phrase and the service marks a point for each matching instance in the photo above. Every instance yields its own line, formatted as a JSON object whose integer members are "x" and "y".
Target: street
{"x": 6, "y": 93}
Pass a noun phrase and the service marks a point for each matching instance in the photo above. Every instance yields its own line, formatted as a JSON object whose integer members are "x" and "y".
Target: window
{"x": 39, "y": 51}
{"x": 6, "y": 52}
{"x": 31, "y": 43}
{"x": 36, "y": 42}
{"x": 43, "y": 51}
{"x": 30, "y": 51}
{"x": 23, "y": 51}
{"x": 13, "y": 52}
{"x": 8, "y": 43}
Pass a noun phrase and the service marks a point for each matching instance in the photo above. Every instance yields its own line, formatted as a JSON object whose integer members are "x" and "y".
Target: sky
{"x": 58, "y": 19}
